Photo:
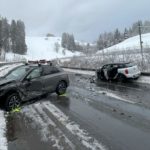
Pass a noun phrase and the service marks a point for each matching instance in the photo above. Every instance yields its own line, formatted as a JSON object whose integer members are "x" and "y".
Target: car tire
{"x": 61, "y": 88}
{"x": 122, "y": 78}
{"x": 100, "y": 77}
{"x": 12, "y": 101}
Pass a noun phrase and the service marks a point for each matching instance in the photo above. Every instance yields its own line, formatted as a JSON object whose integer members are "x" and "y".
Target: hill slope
{"x": 129, "y": 44}
{"x": 44, "y": 48}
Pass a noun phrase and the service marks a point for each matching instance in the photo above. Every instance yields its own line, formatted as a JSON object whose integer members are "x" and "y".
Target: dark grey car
{"x": 30, "y": 81}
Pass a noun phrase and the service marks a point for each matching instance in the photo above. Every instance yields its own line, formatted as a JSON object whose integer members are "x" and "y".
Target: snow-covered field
{"x": 44, "y": 48}
{"x": 130, "y": 44}
{"x": 11, "y": 57}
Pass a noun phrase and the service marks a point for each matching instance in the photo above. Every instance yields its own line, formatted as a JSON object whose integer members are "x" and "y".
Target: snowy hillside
{"x": 130, "y": 44}
{"x": 44, "y": 48}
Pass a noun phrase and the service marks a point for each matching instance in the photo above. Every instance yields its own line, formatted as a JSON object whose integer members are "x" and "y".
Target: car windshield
{"x": 129, "y": 65}
{"x": 18, "y": 73}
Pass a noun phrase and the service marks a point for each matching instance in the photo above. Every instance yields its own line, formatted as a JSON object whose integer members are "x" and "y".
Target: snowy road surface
{"x": 96, "y": 116}
{"x": 142, "y": 79}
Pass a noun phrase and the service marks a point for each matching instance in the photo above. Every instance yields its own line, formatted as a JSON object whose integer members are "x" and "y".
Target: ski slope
{"x": 130, "y": 44}
{"x": 44, "y": 48}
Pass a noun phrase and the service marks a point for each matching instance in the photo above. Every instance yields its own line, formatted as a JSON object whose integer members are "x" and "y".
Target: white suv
{"x": 118, "y": 71}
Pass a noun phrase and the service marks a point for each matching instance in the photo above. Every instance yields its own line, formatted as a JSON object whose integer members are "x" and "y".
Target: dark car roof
{"x": 120, "y": 63}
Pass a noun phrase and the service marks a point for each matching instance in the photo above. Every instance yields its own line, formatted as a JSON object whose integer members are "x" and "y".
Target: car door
{"x": 105, "y": 70}
{"x": 51, "y": 77}
{"x": 33, "y": 83}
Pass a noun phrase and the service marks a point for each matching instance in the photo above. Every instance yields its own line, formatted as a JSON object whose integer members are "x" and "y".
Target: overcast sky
{"x": 86, "y": 19}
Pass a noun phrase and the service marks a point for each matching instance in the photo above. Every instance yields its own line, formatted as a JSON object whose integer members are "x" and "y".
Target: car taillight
{"x": 126, "y": 71}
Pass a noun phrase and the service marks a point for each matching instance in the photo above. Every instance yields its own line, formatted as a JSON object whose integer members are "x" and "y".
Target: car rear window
{"x": 129, "y": 65}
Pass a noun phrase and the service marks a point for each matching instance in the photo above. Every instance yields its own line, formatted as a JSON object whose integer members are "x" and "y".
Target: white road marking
{"x": 116, "y": 97}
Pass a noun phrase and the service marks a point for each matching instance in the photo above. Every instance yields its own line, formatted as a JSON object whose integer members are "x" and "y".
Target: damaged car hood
{"x": 4, "y": 81}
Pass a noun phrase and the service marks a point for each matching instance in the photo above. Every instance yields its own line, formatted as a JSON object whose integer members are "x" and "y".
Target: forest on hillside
{"x": 108, "y": 39}
{"x": 12, "y": 37}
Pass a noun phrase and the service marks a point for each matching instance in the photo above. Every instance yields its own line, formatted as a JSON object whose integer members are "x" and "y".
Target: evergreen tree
{"x": 71, "y": 43}
{"x": 13, "y": 34}
{"x": 100, "y": 43}
{"x": 64, "y": 40}
{"x": 117, "y": 36}
{"x": 0, "y": 34}
{"x": 68, "y": 41}
{"x": 5, "y": 34}
{"x": 20, "y": 38}
{"x": 12, "y": 37}
{"x": 126, "y": 33}
{"x": 57, "y": 46}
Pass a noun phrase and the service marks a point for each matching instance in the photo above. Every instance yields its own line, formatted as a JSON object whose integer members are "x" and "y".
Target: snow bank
{"x": 3, "y": 139}
{"x": 144, "y": 79}
{"x": 12, "y": 57}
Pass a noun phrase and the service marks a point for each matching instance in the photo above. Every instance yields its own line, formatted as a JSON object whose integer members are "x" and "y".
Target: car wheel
{"x": 61, "y": 88}
{"x": 100, "y": 77}
{"x": 12, "y": 101}
{"x": 121, "y": 78}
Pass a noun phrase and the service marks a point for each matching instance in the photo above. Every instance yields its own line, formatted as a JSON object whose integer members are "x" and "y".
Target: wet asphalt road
{"x": 96, "y": 115}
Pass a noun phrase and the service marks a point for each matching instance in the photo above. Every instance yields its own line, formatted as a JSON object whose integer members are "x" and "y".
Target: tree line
{"x": 68, "y": 42}
{"x": 108, "y": 39}
{"x": 12, "y": 36}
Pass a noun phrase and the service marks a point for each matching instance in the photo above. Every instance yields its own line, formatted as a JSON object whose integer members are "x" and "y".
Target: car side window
{"x": 50, "y": 70}
{"x": 54, "y": 70}
{"x": 34, "y": 74}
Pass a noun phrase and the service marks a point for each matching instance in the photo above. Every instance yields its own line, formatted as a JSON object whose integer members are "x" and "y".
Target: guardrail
{"x": 92, "y": 69}
{"x": 9, "y": 63}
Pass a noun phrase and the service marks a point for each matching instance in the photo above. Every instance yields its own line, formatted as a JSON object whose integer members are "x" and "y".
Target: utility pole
{"x": 141, "y": 45}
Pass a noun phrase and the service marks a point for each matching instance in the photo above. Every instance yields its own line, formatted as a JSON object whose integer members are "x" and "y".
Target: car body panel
{"x": 113, "y": 71}
{"x": 29, "y": 88}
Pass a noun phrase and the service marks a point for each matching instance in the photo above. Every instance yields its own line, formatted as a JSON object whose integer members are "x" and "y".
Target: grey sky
{"x": 86, "y": 19}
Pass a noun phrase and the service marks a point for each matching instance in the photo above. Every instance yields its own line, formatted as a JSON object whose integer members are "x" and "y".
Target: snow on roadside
{"x": 88, "y": 141}
{"x": 3, "y": 139}
{"x": 144, "y": 79}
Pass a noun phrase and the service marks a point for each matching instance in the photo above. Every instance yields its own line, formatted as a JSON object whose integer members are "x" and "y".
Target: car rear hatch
{"x": 133, "y": 70}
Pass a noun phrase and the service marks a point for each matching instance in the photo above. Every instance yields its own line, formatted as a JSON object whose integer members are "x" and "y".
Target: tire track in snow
{"x": 82, "y": 135}
{"x": 47, "y": 128}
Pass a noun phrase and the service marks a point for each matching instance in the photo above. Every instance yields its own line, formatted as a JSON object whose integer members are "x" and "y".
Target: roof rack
{"x": 40, "y": 62}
